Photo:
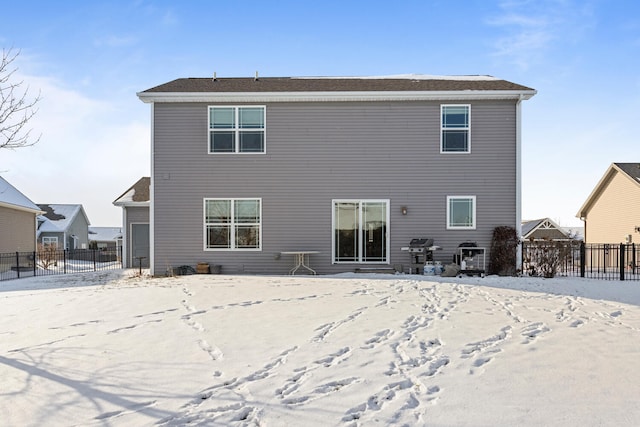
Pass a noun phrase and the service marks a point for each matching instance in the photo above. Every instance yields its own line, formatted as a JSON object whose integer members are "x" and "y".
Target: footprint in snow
{"x": 214, "y": 352}
{"x": 383, "y": 302}
{"x": 377, "y": 339}
{"x": 322, "y": 390}
{"x": 484, "y": 345}
{"x": 335, "y": 358}
{"x": 478, "y": 363}
{"x": 293, "y": 384}
{"x": 436, "y": 366}
{"x": 533, "y": 331}
{"x": 577, "y": 323}
{"x": 389, "y": 393}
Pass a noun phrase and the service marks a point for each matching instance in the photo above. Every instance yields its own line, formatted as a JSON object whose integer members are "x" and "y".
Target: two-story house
{"x": 245, "y": 170}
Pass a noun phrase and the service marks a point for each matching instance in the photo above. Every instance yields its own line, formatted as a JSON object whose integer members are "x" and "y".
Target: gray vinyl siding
{"x": 80, "y": 229}
{"x": 317, "y": 152}
{"x": 137, "y": 214}
{"x": 134, "y": 215}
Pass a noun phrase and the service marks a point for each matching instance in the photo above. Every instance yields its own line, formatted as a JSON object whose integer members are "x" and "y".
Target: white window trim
{"x": 475, "y": 218}
{"x": 387, "y": 233}
{"x": 232, "y": 225}
{"x": 236, "y": 129}
{"x": 50, "y": 240}
{"x": 468, "y": 129}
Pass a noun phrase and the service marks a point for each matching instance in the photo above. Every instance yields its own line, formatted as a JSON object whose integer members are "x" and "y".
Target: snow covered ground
{"x": 112, "y": 349}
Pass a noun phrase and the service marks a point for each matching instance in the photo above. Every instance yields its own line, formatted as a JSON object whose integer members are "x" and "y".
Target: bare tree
{"x": 16, "y": 109}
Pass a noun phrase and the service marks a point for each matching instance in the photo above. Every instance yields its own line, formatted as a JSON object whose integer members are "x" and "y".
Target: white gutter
{"x": 337, "y": 96}
{"x": 22, "y": 208}
{"x": 132, "y": 204}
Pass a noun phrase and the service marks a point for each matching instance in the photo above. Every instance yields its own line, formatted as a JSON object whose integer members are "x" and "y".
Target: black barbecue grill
{"x": 470, "y": 258}
{"x": 419, "y": 245}
{"x": 420, "y": 251}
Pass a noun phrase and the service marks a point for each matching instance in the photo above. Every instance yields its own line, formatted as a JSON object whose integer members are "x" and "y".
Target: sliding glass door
{"x": 360, "y": 231}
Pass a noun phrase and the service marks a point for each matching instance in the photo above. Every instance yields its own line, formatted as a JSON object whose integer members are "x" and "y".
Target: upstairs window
{"x": 236, "y": 129}
{"x": 461, "y": 212}
{"x": 455, "y": 128}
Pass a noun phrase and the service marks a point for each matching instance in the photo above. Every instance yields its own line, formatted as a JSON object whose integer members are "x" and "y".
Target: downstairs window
{"x": 461, "y": 212}
{"x": 233, "y": 224}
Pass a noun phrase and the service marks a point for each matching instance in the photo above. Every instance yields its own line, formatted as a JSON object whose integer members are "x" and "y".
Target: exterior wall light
{"x": 403, "y": 210}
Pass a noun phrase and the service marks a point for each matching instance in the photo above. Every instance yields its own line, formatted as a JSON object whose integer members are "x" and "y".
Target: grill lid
{"x": 420, "y": 243}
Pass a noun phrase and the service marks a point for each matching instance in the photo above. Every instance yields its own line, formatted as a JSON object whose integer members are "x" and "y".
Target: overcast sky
{"x": 88, "y": 60}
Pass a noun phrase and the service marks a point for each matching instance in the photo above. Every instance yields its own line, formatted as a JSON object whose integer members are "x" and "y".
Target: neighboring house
{"x": 63, "y": 226}
{"x": 17, "y": 220}
{"x": 105, "y": 237}
{"x": 611, "y": 213}
{"x": 544, "y": 229}
{"x": 246, "y": 169}
{"x": 135, "y": 220}
{"x": 575, "y": 233}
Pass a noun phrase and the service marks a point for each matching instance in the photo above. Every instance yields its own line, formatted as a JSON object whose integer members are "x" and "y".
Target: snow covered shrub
{"x": 545, "y": 258}
{"x": 47, "y": 256}
{"x": 504, "y": 246}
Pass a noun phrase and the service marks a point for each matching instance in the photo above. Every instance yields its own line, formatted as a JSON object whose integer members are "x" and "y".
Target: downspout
{"x": 518, "y": 226}
{"x": 152, "y": 197}
{"x": 35, "y": 233}
{"x": 125, "y": 240}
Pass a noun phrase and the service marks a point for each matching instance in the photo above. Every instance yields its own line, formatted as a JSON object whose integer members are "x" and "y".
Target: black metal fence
{"x": 572, "y": 258}
{"x": 50, "y": 261}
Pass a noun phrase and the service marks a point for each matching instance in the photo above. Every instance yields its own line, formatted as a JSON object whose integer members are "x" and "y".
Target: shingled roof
{"x": 12, "y": 198}
{"x": 59, "y": 217}
{"x": 631, "y": 169}
{"x": 137, "y": 194}
{"x": 337, "y": 84}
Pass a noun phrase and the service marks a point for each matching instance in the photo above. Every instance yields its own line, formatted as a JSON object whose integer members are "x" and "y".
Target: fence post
{"x": 583, "y": 258}
{"x": 94, "y": 259}
{"x": 18, "y": 264}
{"x": 64, "y": 260}
{"x": 34, "y": 263}
{"x": 622, "y": 249}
